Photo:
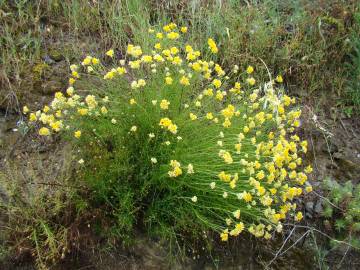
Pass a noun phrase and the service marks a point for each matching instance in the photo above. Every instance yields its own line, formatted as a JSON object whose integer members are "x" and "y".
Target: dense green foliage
{"x": 342, "y": 210}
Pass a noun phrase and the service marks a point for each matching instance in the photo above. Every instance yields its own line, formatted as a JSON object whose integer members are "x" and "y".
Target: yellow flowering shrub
{"x": 194, "y": 145}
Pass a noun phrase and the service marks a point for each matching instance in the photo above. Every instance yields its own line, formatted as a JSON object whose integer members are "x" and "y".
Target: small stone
{"x": 48, "y": 60}
{"x": 309, "y": 210}
{"x": 318, "y": 207}
{"x": 309, "y": 206}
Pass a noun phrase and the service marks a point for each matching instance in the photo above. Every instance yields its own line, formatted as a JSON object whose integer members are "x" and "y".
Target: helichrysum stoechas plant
{"x": 192, "y": 145}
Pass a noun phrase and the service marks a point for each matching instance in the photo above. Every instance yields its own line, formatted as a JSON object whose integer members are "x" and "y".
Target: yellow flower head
{"x": 173, "y": 35}
{"x": 193, "y": 116}
{"x": 77, "y": 134}
{"x": 95, "y": 61}
{"x": 110, "y": 53}
{"x": 164, "y": 104}
{"x": 247, "y": 196}
{"x": 25, "y": 109}
{"x": 251, "y": 81}
{"x": 212, "y": 46}
{"x": 173, "y": 128}
{"x": 298, "y": 216}
{"x": 103, "y": 110}
{"x": 279, "y": 79}
{"x": 70, "y": 91}
{"x": 216, "y": 83}
{"x": 71, "y": 81}
{"x": 184, "y": 81}
{"x": 87, "y": 61}
{"x": 165, "y": 122}
{"x": 183, "y": 29}
{"x": 249, "y": 70}
{"x": 44, "y": 131}
{"x": 224, "y": 236}
{"x": 168, "y": 80}
{"x": 32, "y": 117}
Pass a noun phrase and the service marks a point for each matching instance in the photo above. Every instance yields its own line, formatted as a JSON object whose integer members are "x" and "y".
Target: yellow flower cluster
{"x": 135, "y": 51}
{"x": 113, "y": 72}
{"x": 168, "y": 124}
{"x": 62, "y": 108}
{"x": 212, "y": 46}
{"x": 176, "y": 169}
{"x": 255, "y": 165}
{"x": 164, "y": 104}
